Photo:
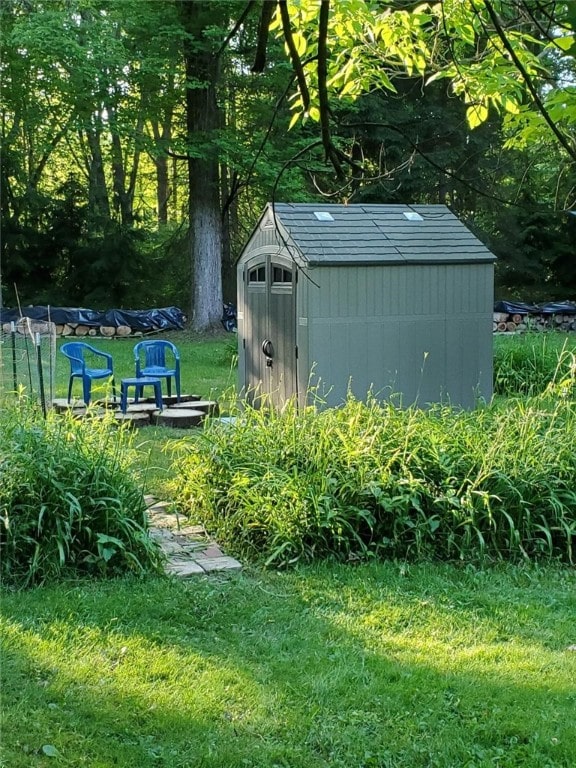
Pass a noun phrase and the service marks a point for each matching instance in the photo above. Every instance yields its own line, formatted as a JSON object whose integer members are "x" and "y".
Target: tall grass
{"x": 527, "y": 365}
{"x": 370, "y": 479}
{"x": 69, "y": 499}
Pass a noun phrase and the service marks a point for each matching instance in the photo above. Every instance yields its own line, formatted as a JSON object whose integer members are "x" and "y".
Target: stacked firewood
{"x": 74, "y": 329}
{"x": 77, "y": 329}
{"x": 504, "y": 322}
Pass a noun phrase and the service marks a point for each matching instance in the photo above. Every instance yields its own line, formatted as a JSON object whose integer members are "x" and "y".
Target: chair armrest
{"x": 108, "y": 357}
{"x": 176, "y": 353}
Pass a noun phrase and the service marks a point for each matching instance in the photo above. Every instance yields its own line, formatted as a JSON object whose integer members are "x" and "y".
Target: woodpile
{"x": 79, "y": 330}
{"x": 73, "y": 330}
{"x": 504, "y": 322}
{"x": 32, "y": 327}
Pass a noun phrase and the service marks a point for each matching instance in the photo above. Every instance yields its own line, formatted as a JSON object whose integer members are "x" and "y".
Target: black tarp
{"x": 515, "y": 307}
{"x": 550, "y": 308}
{"x": 558, "y": 308}
{"x": 165, "y": 319}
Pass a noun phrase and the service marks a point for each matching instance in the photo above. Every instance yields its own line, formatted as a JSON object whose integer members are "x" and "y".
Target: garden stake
{"x": 13, "y": 337}
{"x": 25, "y": 338}
{"x": 28, "y": 361}
{"x": 40, "y": 376}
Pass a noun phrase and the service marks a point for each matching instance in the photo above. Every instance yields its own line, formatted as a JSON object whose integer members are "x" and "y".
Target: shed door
{"x": 270, "y": 329}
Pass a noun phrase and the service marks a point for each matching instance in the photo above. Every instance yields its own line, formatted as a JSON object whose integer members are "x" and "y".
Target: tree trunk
{"x": 202, "y": 120}
{"x": 174, "y": 199}
{"x": 162, "y": 138}
{"x": 162, "y": 189}
{"x": 124, "y": 182}
{"x": 98, "y": 203}
{"x": 120, "y": 199}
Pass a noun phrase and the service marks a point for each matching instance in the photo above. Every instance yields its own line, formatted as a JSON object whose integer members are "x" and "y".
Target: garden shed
{"x": 393, "y": 299}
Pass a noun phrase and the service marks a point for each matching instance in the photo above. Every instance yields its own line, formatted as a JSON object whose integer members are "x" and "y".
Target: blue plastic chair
{"x": 84, "y": 360}
{"x": 159, "y": 360}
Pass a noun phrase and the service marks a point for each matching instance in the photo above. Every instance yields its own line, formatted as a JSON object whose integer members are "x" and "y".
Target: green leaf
{"x": 476, "y": 115}
{"x": 107, "y": 553}
{"x": 436, "y": 76}
{"x": 102, "y": 538}
{"x": 50, "y": 750}
{"x": 566, "y": 42}
{"x": 300, "y": 43}
{"x": 511, "y": 106}
{"x": 349, "y": 87}
{"x": 314, "y": 114}
{"x": 294, "y": 119}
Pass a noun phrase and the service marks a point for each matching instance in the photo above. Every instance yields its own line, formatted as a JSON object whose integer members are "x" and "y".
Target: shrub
{"x": 68, "y": 501}
{"x": 371, "y": 479}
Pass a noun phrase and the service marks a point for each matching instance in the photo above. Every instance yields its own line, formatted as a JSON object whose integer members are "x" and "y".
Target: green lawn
{"x": 207, "y": 362}
{"x": 374, "y": 665}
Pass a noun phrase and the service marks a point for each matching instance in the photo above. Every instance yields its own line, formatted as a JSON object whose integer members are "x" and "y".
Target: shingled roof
{"x": 377, "y": 234}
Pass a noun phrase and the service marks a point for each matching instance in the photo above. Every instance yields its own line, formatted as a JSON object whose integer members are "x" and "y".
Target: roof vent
{"x": 323, "y": 216}
{"x": 412, "y": 216}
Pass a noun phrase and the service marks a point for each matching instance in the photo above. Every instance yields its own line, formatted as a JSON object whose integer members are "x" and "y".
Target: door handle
{"x": 268, "y": 351}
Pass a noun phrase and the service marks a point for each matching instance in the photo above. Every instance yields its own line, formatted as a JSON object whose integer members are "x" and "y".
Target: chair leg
{"x": 169, "y": 385}
{"x": 123, "y": 397}
{"x": 113, "y": 390}
{"x": 158, "y": 395}
{"x": 86, "y": 386}
{"x": 177, "y": 389}
{"x": 71, "y": 381}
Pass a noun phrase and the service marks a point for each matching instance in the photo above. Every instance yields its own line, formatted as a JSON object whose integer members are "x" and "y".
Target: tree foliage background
{"x": 140, "y": 140}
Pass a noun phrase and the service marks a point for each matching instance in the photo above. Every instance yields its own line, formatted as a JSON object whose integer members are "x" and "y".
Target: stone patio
{"x": 189, "y": 550}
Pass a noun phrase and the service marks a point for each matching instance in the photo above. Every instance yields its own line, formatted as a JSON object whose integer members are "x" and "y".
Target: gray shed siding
{"x": 417, "y": 328}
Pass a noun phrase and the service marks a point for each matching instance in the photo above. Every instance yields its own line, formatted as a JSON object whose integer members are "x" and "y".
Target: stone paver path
{"x": 188, "y": 549}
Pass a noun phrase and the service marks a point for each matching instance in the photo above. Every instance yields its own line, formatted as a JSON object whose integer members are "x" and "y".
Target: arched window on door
{"x": 281, "y": 278}
{"x": 257, "y": 275}
{"x": 281, "y": 275}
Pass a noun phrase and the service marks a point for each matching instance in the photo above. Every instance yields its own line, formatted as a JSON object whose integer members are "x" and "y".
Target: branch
{"x": 415, "y": 147}
{"x": 550, "y": 16}
{"x": 294, "y": 56}
{"x": 176, "y": 156}
{"x": 235, "y": 28}
{"x": 266, "y": 15}
{"x": 322, "y": 69}
{"x": 241, "y": 184}
{"x": 52, "y": 144}
{"x": 564, "y": 142}
{"x": 289, "y": 162}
